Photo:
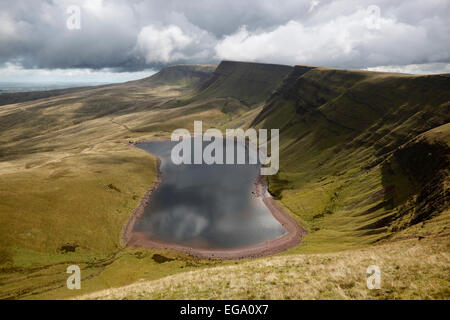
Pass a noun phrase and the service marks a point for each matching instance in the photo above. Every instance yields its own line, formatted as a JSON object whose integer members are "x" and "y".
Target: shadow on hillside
{"x": 413, "y": 180}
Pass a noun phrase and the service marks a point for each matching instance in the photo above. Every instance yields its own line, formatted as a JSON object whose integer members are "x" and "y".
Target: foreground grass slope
{"x": 364, "y": 162}
{"x": 412, "y": 270}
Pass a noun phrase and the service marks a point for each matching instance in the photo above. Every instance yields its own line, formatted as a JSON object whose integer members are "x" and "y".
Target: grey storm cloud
{"x": 134, "y": 35}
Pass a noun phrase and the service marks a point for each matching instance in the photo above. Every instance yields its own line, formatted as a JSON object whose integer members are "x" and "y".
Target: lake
{"x": 205, "y": 206}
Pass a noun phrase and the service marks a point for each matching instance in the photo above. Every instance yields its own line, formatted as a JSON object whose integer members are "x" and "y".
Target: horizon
{"x": 117, "y": 78}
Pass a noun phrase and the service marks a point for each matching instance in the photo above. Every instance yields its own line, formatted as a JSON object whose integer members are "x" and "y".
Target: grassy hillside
{"x": 348, "y": 141}
{"x": 76, "y": 146}
{"x": 412, "y": 270}
{"x": 364, "y": 167}
{"x": 69, "y": 180}
{"x": 182, "y": 75}
{"x": 16, "y": 97}
{"x": 250, "y": 83}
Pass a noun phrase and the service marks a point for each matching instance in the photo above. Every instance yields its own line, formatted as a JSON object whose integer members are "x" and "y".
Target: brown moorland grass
{"x": 413, "y": 269}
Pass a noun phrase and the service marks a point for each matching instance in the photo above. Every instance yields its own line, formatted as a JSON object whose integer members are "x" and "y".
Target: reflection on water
{"x": 205, "y": 206}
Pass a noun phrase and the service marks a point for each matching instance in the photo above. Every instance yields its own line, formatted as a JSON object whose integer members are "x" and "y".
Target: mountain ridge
{"x": 249, "y": 82}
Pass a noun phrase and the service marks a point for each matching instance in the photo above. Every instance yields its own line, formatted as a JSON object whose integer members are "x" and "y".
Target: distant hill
{"x": 187, "y": 75}
{"x": 182, "y": 75}
{"x": 17, "y": 97}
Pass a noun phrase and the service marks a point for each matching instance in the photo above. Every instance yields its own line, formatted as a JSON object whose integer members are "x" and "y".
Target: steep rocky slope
{"x": 250, "y": 83}
{"x": 357, "y": 141}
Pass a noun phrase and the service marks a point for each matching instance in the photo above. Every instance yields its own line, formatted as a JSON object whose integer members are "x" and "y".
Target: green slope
{"x": 339, "y": 129}
{"x": 185, "y": 75}
{"x": 250, "y": 83}
{"x": 70, "y": 181}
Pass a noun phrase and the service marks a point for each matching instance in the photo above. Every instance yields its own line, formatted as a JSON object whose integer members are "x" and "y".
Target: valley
{"x": 364, "y": 170}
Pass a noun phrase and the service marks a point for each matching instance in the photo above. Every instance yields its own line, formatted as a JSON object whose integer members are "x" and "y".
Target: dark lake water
{"x": 206, "y": 206}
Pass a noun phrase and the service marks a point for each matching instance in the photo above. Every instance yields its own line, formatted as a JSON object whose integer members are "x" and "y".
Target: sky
{"x": 114, "y": 41}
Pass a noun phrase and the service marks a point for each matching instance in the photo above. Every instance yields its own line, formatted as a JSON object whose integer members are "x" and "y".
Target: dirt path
{"x": 290, "y": 239}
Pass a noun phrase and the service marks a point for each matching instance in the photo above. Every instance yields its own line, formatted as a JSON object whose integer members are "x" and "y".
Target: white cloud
{"x": 15, "y": 73}
{"x": 162, "y": 45}
{"x": 426, "y": 68}
{"x": 354, "y": 40}
{"x": 7, "y": 26}
{"x": 139, "y": 34}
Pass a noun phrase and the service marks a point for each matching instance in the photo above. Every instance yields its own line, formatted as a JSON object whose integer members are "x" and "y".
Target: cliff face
{"x": 338, "y": 125}
{"x": 377, "y": 110}
{"x": 423, "y": 163}
{"x": 250, "y": 83}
